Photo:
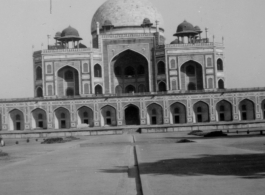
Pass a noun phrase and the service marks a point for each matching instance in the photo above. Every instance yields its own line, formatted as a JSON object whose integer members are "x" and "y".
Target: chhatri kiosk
{"x": 130, "y": 76}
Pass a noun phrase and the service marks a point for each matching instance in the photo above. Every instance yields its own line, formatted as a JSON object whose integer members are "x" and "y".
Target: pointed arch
{"x": 247, "y": 110}
{"x": 98, "y": 90}
{"x": 162, "y": 87}
{"x": 154, "y": 114}
{"x": 39, "y": 92}
{"x": 221, "y": 84}
{"x": 85, "y": 115}
{"x": 132, "y": 114}
{"x": 178, "y": 113}
{"x": 38, "y": 119}
{"x": 97, "y": 71}
{"x": 16, "y": 120}
{"x": 201, "y": 112}
{"x": 108, "y": 116}
{"x": 38, "y": 73}
{"x": 224, "y": 110}
{"x": 62, "y": 118}
{"x": 220, "y": 65}
{"x": 161, "y": 68}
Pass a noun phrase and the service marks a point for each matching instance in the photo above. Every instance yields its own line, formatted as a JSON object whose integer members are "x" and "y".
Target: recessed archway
{"x": 201, "y": 112}
{"x": 85, "y": 116}
{"x": 154, "y": 114}
{"x": 247, "y": 110}
{"x": 38, "y": 119}
{"x": 129, "y": 69}
{"x": 62, "y": 118}
{"x": 224, "y": 111}
{"x": 132, "y": 115}
{"x": 177, "y": 113}
{"x": 191, "y": 72}
{"x": 108, "y": 116}
{"x": 68, "y": 81}
{"x": 16, "y": 120}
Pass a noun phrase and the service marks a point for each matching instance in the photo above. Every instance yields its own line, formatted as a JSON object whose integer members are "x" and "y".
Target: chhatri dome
{"x": 126, "y": 13}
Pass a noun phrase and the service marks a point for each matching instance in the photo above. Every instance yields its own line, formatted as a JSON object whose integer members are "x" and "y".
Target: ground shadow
{"x": 248, "y": 166}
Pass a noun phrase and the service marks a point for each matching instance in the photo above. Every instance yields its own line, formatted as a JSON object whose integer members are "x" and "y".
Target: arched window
{"x": 176, "y": 111}
{"x": 141, "y": 88}
{"x": 97, "y": 71}
{"x": 108, "y": 114}
{"x": 210, "y": 83}
{"x": 117, "y": 70}
{"x": 190, "y": 70}
{"x": 69, "y": 76}
{"x": 161, "y": 69}
{"x": 39, "y": 92}
{"x": 18, "y": 118}
{"x": 209, "y": 61}
{"x": 40, "y": 116}
{"x": 86, "y": 88}
{"x": 50, "y": 91}
{"x": 220, "y": 65}
{"x": 69, "y": 91}
{"x": 39, "y": 73}
{"x": 130, "y": 89}
{"x": 129, "y": 71}
{"x": 85, "y": 114}
{"x": 191, "y": 86}
{"x": 118, "y": 90}
{"x": 49, "y": 69}
{"x": 140, "y": 70}
{"x": 98, "y": 90}
{"x": 173, "y": 63}
{"x": 162, "y": 87}
{"x": 199, "y": 109}
{"x": 85, "y": 67}
{"x": 63, "y": 116}
{"x": 221, "y": 84}
{"x": 174, "y": 85}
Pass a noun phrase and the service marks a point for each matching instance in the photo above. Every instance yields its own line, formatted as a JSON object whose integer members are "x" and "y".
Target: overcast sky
{"x": 24, "y": 23}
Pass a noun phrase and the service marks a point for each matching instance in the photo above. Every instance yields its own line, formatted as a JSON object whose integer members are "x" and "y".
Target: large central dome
{"x": 122, "y": 13}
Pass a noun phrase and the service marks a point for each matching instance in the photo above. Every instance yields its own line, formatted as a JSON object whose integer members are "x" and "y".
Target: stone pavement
{"x": 109, "y": 165}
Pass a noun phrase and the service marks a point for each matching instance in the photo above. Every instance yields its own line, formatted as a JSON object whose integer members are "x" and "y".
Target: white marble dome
{"x": 124, "y": 13}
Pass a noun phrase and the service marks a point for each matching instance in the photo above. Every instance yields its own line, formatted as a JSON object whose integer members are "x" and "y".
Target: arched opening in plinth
{"x": 132, "y": 115}
{"x": 191, "y": 76}
{"x": 178, "y": 114}
{"x": 154, "y": 114}
{"x": 68, "y": 82}
{"x": 247, "y": 110}
{"x": 108, "y": 116}
{"x": 130, "y": 68}
{"x": 38, "y": 119}
{"x": 16, "y": 121}
{"x": 201, "y": 112}
{"x": 224, "y": 111}
{"x": 62, "y": 118}
{"x": 85, "y": 116}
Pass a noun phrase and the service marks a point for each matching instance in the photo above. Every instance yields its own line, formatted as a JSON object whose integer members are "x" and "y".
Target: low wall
{"x": 237, "y": 126}
{"x": 59, "y": 133}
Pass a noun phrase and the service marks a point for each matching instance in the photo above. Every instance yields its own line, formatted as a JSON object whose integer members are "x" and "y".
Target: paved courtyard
{"x": 109, "y": 165}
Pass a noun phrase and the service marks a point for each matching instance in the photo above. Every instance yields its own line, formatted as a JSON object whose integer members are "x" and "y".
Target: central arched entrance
{"x": 130, "y": 68}
{"x": 132, "y": 115}
{"x": 68, "y": 82}
{"x": 191, "y": 76}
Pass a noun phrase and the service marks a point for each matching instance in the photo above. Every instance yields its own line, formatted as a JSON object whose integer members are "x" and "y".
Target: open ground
{"x": 135, "y": 164}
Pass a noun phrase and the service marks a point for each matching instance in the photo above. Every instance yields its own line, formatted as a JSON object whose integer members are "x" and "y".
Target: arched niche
{"x": 62, "y": 118}
{"x": 38, "y": 119}
{"x": 178, "y": 113}
{"x": 16, "y": 120}
{"x": 154, "y": 114}
{"x": 85, "y": 116}
{"x": 129, "y": 68}
{"x": 201, "y": 112}
{"x": 108, "y": 116}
